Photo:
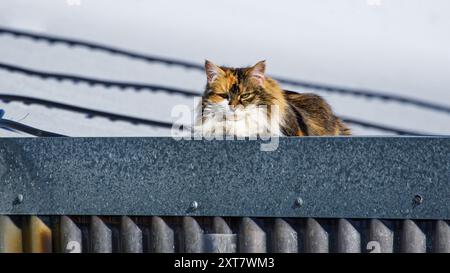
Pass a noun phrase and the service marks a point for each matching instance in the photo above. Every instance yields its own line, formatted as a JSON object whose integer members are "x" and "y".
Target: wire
{"x": 92, "y": 81}
{"x": 137, "y": 86}
{"x": 382, "y": 127}
{"x": 94, "y": 46}
{"x": 89, "y": 112}
{"x": 16, "y": 126}
{"x": 369, "y": 94}
{"x": 134, "y": 120}
{"x": 305, "y": 84}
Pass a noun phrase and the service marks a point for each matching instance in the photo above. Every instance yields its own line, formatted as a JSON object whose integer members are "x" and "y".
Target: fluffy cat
{"x": 245, "y": 102}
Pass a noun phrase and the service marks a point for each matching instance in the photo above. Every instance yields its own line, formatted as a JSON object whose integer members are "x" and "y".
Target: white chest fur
{"x": 220, "y": 120}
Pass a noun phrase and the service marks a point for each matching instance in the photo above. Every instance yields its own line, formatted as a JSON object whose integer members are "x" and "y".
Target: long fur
{"x": 245, "y": 102}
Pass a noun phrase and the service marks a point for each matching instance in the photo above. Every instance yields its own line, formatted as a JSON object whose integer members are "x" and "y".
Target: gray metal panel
{"x": 222, "y": 240}
{"x": 70, "y": 236}
{"x": 220, "y": 243}
{"x": 255, "y": 234}
{"x": 381, "y": 237}
{"x": 192, "y": 237}
{"x": 441, "y": 237}
{"x": 252, "y": 238}
{"x": 130, "y": 236}
{"x": 162, "y": 238}
{"x": 413, "y": 239}
{"x": 348, "y": 237}
{"x": 339, "y": 177}
{"x": 101, "y": 236}
{"x": 316, "y": 237}
{"x": 284, "y": 237}
{"x": 221, "y": 226}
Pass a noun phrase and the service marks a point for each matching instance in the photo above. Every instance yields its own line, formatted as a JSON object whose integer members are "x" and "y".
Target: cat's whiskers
{"x": 218, "y": 119}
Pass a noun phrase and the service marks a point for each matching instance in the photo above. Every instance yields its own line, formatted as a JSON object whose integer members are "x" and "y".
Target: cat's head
{"x": 237, "y": 87}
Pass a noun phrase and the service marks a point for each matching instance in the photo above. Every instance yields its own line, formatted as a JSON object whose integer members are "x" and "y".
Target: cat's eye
{"x": 224, "y": 95}
{"x": 245, "y": 96}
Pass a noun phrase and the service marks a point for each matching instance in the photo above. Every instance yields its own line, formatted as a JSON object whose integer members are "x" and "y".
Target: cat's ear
{"x": 258, "y": 71}
{"x": 212, "y": 71}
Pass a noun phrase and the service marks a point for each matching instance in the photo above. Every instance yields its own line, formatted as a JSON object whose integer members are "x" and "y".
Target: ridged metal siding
{"x": 220, "y": 235}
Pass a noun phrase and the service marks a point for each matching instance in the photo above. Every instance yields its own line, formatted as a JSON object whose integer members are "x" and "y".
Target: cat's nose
{"x": 233, "y": 107}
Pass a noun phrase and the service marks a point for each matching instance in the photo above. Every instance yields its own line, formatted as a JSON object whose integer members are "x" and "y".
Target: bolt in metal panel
{"x": 70, "y": 236}
{"x": 10, "y": 236}
{"x": 37, "y": 236}
{"x": 130, "y": 236}
{"x": 441, "y": 237}
{"x": 162, "y": 238}
{"x": 252, "y": 239}
{"x": 412, "y": 238}
{"x": 222, "y": 240}
{"x": 192, "y": 237}
{"x": 284, "y": 237}
{"x": 101, "y": 236}
{"x": 381, "y": 237}
{"x": 316, "y": 237}
{"x": 348, "y": 237}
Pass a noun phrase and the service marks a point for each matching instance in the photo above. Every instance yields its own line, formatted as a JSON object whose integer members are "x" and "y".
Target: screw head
{"x": 193, "y": 206}
{"x": 19, "y": 198}
{"x": 298, "y": 202}
{"x": 418, "y": 199}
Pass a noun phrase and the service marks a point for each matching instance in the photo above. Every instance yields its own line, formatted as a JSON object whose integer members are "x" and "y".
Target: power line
{"x": 16, "y": 126}
{"x": 137, "y": 86}
{"x": 136, "y": 121}
{"x": 92, "y": 81}
{"x": 369, "y": 94}
{"x": 82, "y": 110}
{"x": 305, "y": 84}
{"x": 382, "y": 127}
{"x": 95, "y": 46}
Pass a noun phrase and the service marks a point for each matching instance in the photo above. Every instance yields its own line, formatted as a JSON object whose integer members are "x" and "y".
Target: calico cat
{"x": 245, "y": 102}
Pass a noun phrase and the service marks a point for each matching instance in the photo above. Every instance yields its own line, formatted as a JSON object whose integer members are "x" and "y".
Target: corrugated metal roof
{"x": 73, "y": 234}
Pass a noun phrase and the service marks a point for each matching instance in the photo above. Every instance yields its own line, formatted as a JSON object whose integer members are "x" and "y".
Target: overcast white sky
{"x": 401, "y": 45}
